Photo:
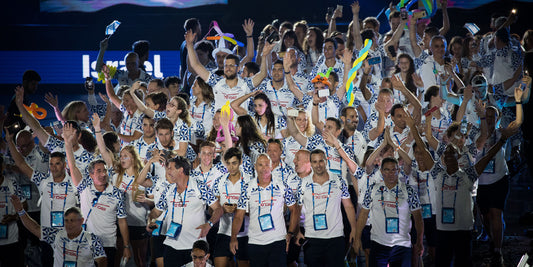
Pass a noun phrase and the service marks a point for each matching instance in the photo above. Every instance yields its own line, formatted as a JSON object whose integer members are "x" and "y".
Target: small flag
{"x": 111, "y": 28}
{"x": 472, "y": 28}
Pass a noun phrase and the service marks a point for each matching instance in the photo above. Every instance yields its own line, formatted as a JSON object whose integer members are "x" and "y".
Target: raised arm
{"x": 52, "y": 101}
{"x": 396, "y": 35}
{"x": 28, "y": 221}
{"x": 367, "y": 72}
{"x": 110, "y": 91}
{"x": 518, "y": 93}
{"x": 295, "y": 133}
{"x": 467, "y": 96}
{"x": 69, "y": 135}
{"x": 107, "y": 155}
{"x": 100, "y": 60}
{"x": 378, "y": 130}
{"x": 224, "y": 122}
{"x": 447, "y": 95}
{"x": 432, "y": 141}
{"x": 398, "y": 85}
{"x": 358, "y": 41}
{"x": 262, "y": 74}
{"x": 483, "y": 128}
{"x": 17, "y": 157}
{"x": 141, "y": 106}
{"x": 193, "y": 57}
{"x": 428, "y": 160}
{"x": 315, "y": 113}
{"x": 236, "y": 104}
{"x": 288, "y": 77}
{"x": 445, "y": 18}
{"x": 248, "y": 28}
{"x": 38, "y": 130}
{"x": 347, "y": 61}
{"x": 417, "y": 50}
{"x": 333, "y": 21}
{"x": 352, "y": 166}
{"x": 511, "y": 130}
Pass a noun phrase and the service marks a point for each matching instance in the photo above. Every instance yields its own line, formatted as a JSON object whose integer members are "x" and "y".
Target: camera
{"x": 273, "y": 37}
{"x": 89, "y": 83}
{"x": 403, "y": 14}
{"x": 292, "y": 113}
{"x": 13, "y": 128}
{"x": 330, "y": 11}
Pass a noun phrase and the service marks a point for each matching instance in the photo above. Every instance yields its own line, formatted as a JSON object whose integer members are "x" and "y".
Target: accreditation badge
{"x": 157, "y": 231}
{"x": 265, "y": 222}
{"x": 174, "y": 230}
{"x": 3, "y": 231}
{"x": 392, "y": 225}
{"x": 320, "y": 222}
{"x": 57, "y": 218}
{"x": 426, "y": 211}
{"x": 69, "y": 264}
{"x": 448, "y": 215}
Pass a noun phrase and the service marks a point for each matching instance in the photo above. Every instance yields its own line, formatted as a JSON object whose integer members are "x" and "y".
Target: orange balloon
{"x": 36, "y": 111}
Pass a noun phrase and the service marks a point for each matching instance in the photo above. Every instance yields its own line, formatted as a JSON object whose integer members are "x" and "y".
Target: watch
{"x": 210, "y": 223}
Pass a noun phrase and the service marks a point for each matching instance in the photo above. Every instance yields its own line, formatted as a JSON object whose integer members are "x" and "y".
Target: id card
{"x": 157, "y": 231}
{"x": 490, "y": 167}
{"x": 3, "y": 231}
{"x": 426, "y": 211}
{"x": 335, "y": 171}
{"x": 320, "y": 222}
{"x": 26, "y": 191}
{"x": 265, "y": 222}
{"x": 448, "y": 215}
{"x": 69, "y": 264}
{"x": 174, "y": 230}
{"x": 56, "y": 218}
{"x": 84, "y": 226}
{"x": 392, "y": 225}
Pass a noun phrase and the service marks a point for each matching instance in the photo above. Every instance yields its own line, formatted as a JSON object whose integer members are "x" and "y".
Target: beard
{"x": 231, "y": 77}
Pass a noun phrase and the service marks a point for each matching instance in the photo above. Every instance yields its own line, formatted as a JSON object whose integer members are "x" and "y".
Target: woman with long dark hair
{"x": 313, "y": 46}
{"x": 202, "y": 109}
{"x": 405, "y": 71}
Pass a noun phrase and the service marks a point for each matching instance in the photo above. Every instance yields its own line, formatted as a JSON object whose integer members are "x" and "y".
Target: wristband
{"x": 249, "y": 36}
{"x": 128, "y": 246}
{"x": 21, "y": 213}
{"x": 315, "y": 104}
{"x": 210, "y": 223}
{"x": 519, "y": 103}
{"x": 431, "y": 111}
{"x": 290, "y": 233}
{"x": 482, "y": 118}
{"x": 287, "y": 72}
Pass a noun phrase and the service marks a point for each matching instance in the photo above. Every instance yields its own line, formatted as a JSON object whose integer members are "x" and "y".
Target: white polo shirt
{"x": 282, "y": 171}
{"x": 202, "y": 116}
{"x": 397, "y": 202}
{"x": 137, "y": 212}
{"x": 358, "y": 145}
{"x": 83, "y": 249}
{"x": 335, "y": 163}
{"x": 280, "y": 99}
{"x": 273, "y": 199}
{"x": 497, "y": 167}
{"x": 131, "y": 123}
{"x": 101, "y": 212}
{"x": 217, "y": 170}
{"x": 290, "y": 147}
{"x": 229, "y": 192}
{"x": 187, "y": 209}
{"x": 424, "y": 184}
{"x": 224, "y": 93}
{"x": 9, "y": 187}
{"x": 54, "y": 197}
{"x": 144, "y": 148}
{"x": 323, "y": 199}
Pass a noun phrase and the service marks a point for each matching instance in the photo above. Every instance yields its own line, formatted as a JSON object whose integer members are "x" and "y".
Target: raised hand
{"x": 510, "y": 130}
{"x": 69, "y": 133}
{"x": 51, "y": 99}
{"x": 480, "y": 108}
{"x": 19, "y": 95}
{"x": 347, "y": 57}
{"x": 96, "y": 122}
{"x": 190, "y": 36}
{"x": 267, "y": 49}
{"x": 518, "y": 92}
{"x": 397, "y": 83}
{"x": 248, "y": 27}
{"x": 468, "y": 92}
{"x": 355, "y": 8}
{"x": 104, "y": 98}
{"x": 417, "y": 80}
{"x": 105, "y": 70}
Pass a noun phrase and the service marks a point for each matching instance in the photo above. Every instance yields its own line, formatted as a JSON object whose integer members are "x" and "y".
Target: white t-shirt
{"x": 101, "y": 212}
{"x": 397, "y": 203}
{"x": 187, "y": 209}
{"x": 137, "y": 212}
{"x": 227, "y": 192}
{"x": 224, "y": 93}
{"x": 335, "y": 163}
{"x": 282, "y": 171}
{"x": 202, "y": 116}
{"x": 424, "y": 185}
{"x": 323, "y": 199}
{"x": 83, "y": 249}
{"x": 55, "y": 197}
{"x": 280, "y": 99}
{"x": 131, "y": 123}
{"x": 290, "y": 147}
{"x": 216, "y": 171}
{"x": 497, "y": 167}
{"x": 454, "y": 191}
{"x": 9, "y": 187}
{"x": 262, "y": 201}
{"x": 144, "y": 149}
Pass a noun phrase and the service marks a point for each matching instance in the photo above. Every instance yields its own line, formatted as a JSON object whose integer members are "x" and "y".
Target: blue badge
{"x": 26, "y": 191}
{"x": 448, "y": 215}
{"x": 265, "y": 222}
{"x": 157, "y": 231}
{"x": 174, "y": 230}
{"x": 320, "y": 222}
{"x": 490, "y": 167}
{"x": 426, "y": 211}
{"x": 335, "y": 171}
{"x": 3, "y": 231}
{"x": 392, "y": 225}
{"x": 56, "y": 218}
{"x": 69, "y": 264}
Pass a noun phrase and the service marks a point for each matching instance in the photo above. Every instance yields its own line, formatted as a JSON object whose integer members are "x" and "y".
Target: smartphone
{"x": 323, "y": 93}
{"x": 89, "y": 83}
{"x": 374, "y": 60}
{"x": 273, "y": 37}
{"x": 403, "y": 14}
{"x": 292, "y": 113}
{"x": 330, "y": 11}
{"x": 419, "y": 14}
{"x": 339, "y": 7}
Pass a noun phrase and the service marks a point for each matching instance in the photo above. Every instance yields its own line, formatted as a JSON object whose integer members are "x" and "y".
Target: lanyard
{"x": 281, "y": 170}
{"x": 140, "y": 145}
{"x": 277, "y": 98}
{"x": 427, "y": 183}
{"x": 182, "y": 202}
{"x": 313, "y": 196}
{"x": 396, "y": 202}
{"x": 327, "y": 156}
{"x": 52, "y": 196}
{"x": 435, "y": 72}
{"x": 127, "y": 186}
{"x": 193, "y": 113}
{"x": 438, "y": 130}
{"x": 205, "y": 177}
{"x": 454, "y": 193}
{"x": 227, "y": 193}
{"x": 7, "y": 206}
{"x": 95, "y": 201}
{"x": 77, "y": 248}
{"x": 271, "y": 197}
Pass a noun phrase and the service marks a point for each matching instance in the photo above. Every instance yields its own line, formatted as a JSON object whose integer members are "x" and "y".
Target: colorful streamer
{"x": 222, "y": 35}
{"x": 350, "y": 97}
